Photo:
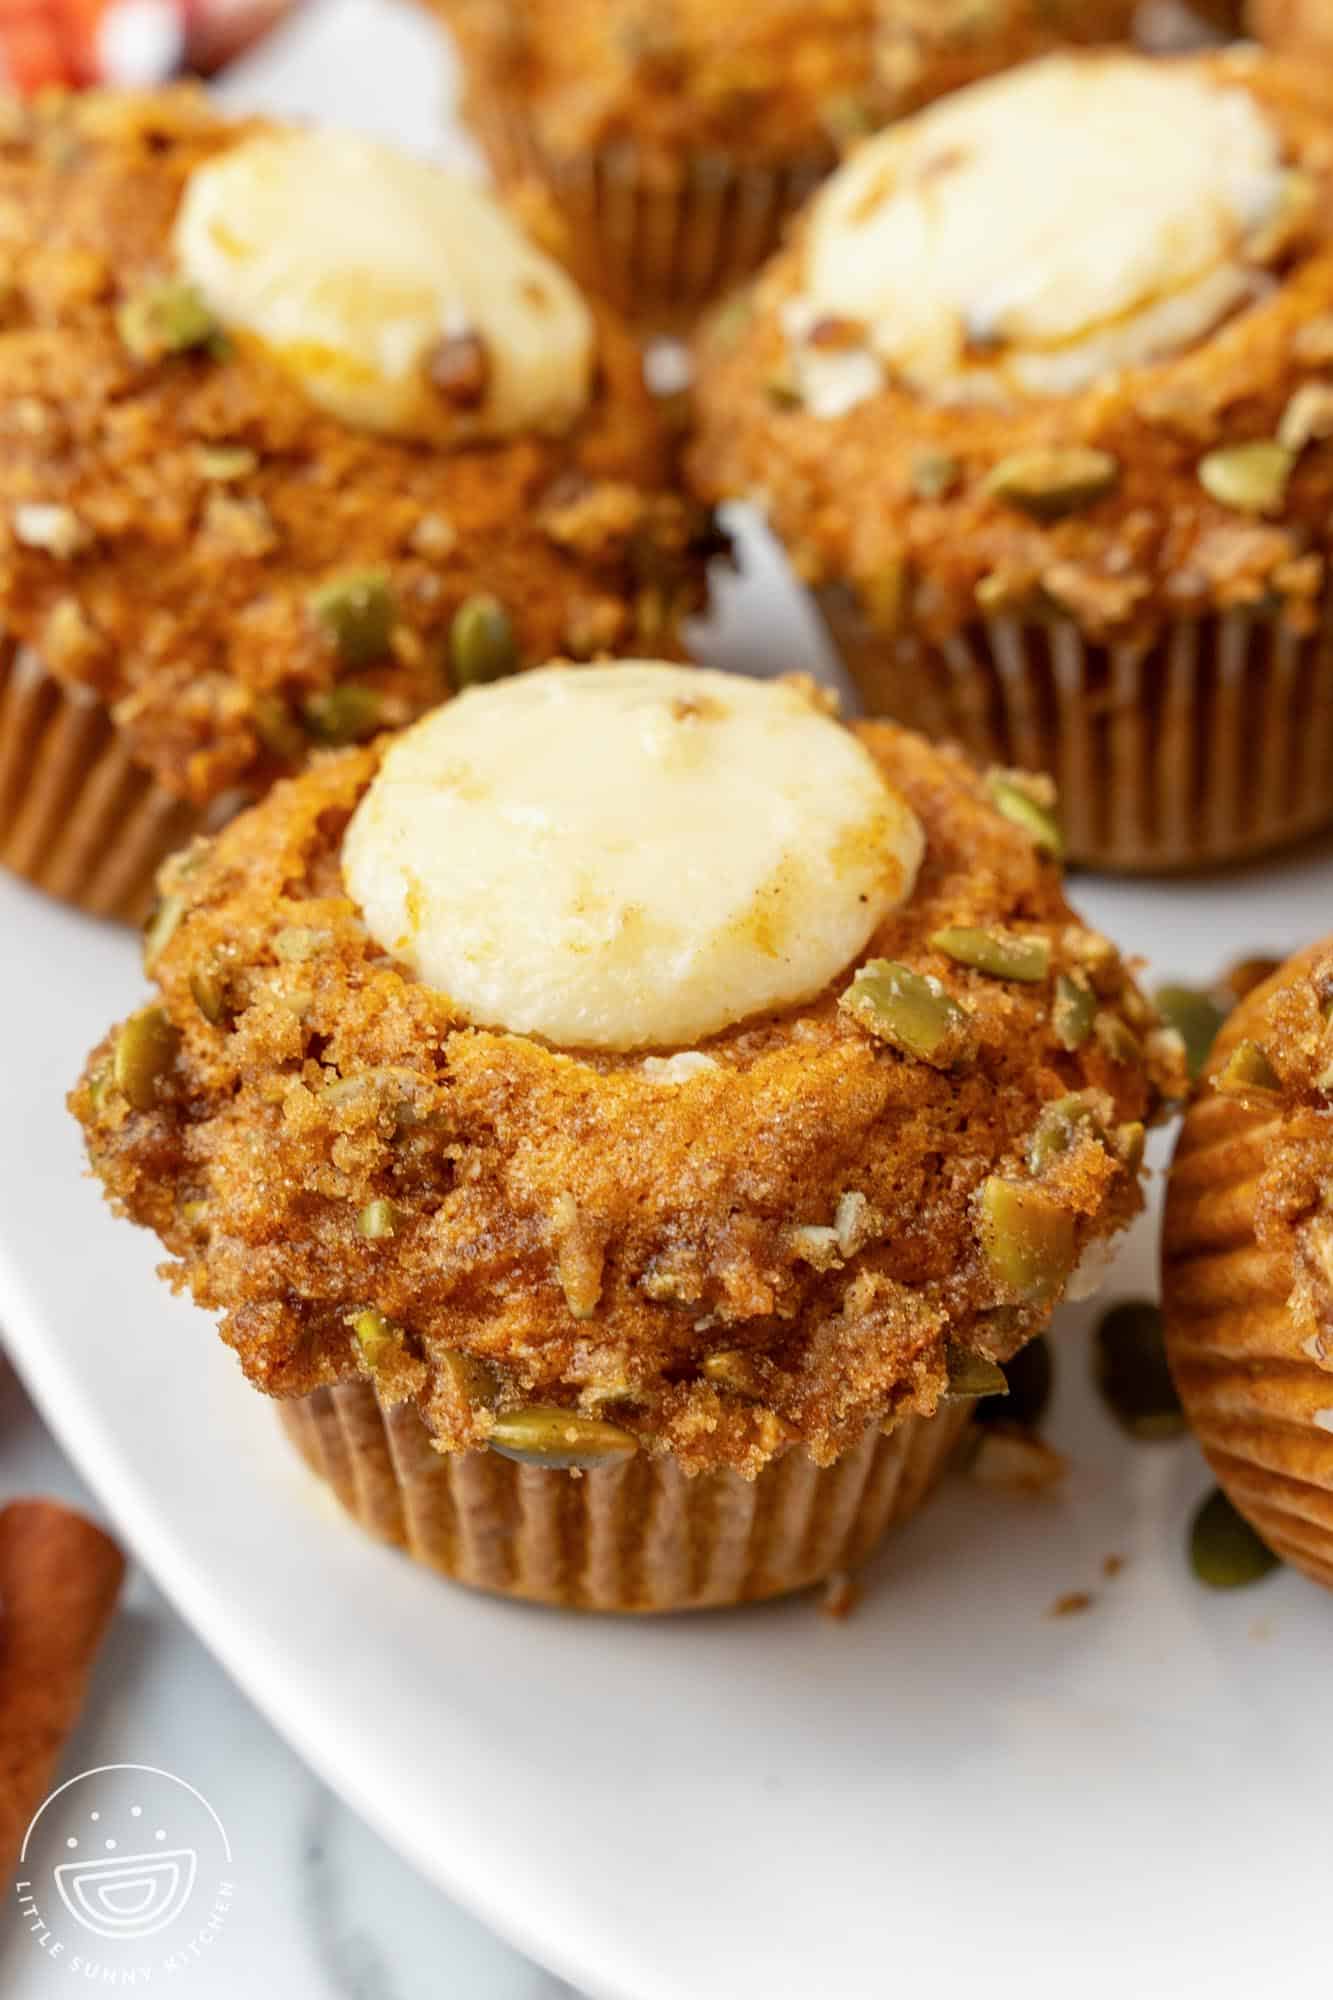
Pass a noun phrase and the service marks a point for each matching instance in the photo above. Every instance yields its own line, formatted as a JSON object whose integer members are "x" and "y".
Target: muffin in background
{"x": 1247, "y": 1261}
{"x": 1295, "y": 27}
{"x": 627, "y": 1118}
{"x": 675, "y": 140}
{"x": 1039, "y": 401}
{"x": 296, "y": 435}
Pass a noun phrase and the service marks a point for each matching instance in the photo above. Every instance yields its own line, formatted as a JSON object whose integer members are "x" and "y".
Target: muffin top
{"x": 1306, "y": 25}
{"x": 1270, "y": 1077}
{"x": 1062, "y": 341}
{"x": 765, "y": 82}
{"x": 297, "y": 433}
{"x": 351, "y": 1124}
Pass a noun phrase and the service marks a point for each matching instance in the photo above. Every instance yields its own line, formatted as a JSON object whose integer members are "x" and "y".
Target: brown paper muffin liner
{"x": 78, "y": 817}
{"x": 1209, "y": 745}
{"x": 633, "y": 1537}
{"x": 659, "y": 250}
{"x": 1260, "y": 1405}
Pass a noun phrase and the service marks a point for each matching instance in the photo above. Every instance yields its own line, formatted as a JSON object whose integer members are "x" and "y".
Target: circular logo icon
{"x": 124, "y": 1871}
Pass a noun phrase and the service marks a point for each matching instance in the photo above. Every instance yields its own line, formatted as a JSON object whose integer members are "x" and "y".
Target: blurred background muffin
{"x": 674, "y": 138}
{"x": 1039, "y": 401}
{"x": 298, "y": 435}
{"x": 630, "y": 1072}
{"x": 1247, "y": 1261}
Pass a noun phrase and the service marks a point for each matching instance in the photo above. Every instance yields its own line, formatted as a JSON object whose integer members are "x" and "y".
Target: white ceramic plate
{"x": 952, "y": 1790}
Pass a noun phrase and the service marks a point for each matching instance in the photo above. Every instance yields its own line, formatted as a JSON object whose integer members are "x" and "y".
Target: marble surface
{"x": 323, "y": 1909}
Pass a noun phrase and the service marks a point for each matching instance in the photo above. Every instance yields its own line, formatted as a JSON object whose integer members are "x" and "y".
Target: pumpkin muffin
{"x": 675, "y": 140}
{"x": 630, "y": 1072}
{"x": 296, "y": 435}
{"x": 1248, "y": 1261}
{"x": 1040, "y": 401}
{"x": 1303, "y": 27}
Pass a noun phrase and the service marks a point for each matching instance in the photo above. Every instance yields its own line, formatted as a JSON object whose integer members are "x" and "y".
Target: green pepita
{"x": 482, "y": 644}
{"x": 1016, "y": 797}
{"x": 144, "y": 1051}
{"x": 1225, "y": 1551}
{"x": 341, "y": 715}
{"x": 1247, "y": 1072}
{"x": 1027, "y": 1238}
{"x": 1073, "y": 1012}
{"x": 356, "y": 612}
{"x": 911, "y": 1011}
{"x": 999, "y": 954}
{"x": 1196, "y": 1018}
{"x": 1132, "y": 1372}
{"x": 560, "y": 1440}
{"x": 379, "y": 1219}
{"x": 971, "y": 1375}
{"x": 160, "y": 929}
{"x": 167, "y": 316}
{"x": 1248, "y": 478}
{"x": 376, "y": 1336}
{"x": 1051, "y": 480}
{"x": 1064, "y": 1123}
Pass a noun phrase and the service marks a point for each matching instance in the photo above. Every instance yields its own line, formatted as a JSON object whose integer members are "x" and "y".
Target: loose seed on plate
{"x": 560, "y": 1440}
{"x": 1196, "y": 1018}
{"x": 911, "y": 1011}
{"x": 1073, "y": 1012}
{"x": 144, "y": 1051}
{"x": 1132, "y": 1373}
{"x": 1225, "y": 1551}
{"x": 356, "y": 612}
{"x": 1027, "y": 1238}
{"x": 999, "y": 954}
{"x": 1051, "y": 480}
{"x": 482, "y": 645}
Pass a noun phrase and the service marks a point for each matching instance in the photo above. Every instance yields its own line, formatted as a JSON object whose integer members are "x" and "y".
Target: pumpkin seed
{"x": 560, "y": 1440}
{"x": 1074, "y": 1011}
{"x": 167, "y": 316}
{"x": 209, "y": 989}
{"x": 1247, "y": 1072}
{"x": 160, "y": 929}
{"x": 934, "y": 474}
{"x": 376, "y": 1336}
{"x": 1132, "y": 1372}
{"x": 341, "y": 715}
{"x": 1051, "y": 480}
{"x": 277, "y": 728}
{"x": 144, "y": 1051}
{"x": 999, "y": 954}
{"x": 379, "y": 1219}
{"x": 1196, "y": 1018}
{"x": 1225, "y": 1551}
{"x": 1308, "y": 417}
{"x": 733, "y": 1369}
{"x": 1117, "y": 1038}
{"x": 356, "y": 612}
{"x": 221, "y": 463}
{"x": 1027, "y": 1239}
{"x": 1249, "y": 478}
{"x": 911, "y": 1011}
{"x": 971, "y": 1375}
{"x": 1029, "y": 1375}
{"x": 471, "y": 1379}
{"x": 1017, "y": 800}
{"x": 1063, "y": 1124}
{"x": 482, "y": 645}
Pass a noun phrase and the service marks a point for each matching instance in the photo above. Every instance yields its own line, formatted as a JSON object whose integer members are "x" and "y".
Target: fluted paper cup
{"x": 78, "y": 817}
{"x": 1208, "y": 746}
{"x": 638, "y": 1536}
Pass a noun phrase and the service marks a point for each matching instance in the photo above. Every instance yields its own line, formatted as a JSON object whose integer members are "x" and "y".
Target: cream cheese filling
{"x": 401, "y": 298}
{"x": 628, "y": 857}
{"x": 1039, "y": 232}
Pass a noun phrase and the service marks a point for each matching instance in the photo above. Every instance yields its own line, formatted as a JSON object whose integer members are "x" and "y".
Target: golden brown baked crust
{"x": 174, "y": 585}
{"x": 847, "y": 496}
{"x": 1294, "y": 26}
{"x": 768, "y": 81}
{"x": 809, "y": 1207}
